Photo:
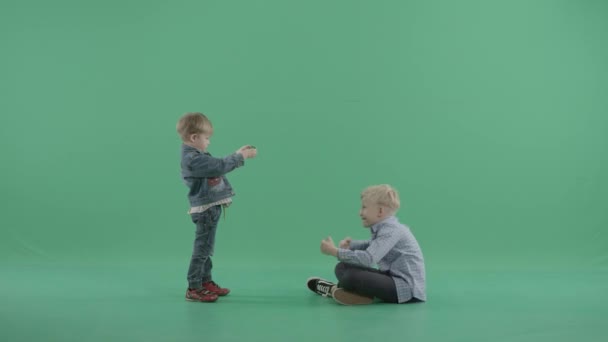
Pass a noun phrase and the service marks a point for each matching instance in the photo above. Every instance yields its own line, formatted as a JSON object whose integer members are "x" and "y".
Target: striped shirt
{"x": 202, "y": 208}
{"x": 393, "y": 248}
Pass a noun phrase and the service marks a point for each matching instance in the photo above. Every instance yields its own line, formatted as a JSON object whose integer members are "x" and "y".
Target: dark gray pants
{"x": 204, "y": 241}
{"x": 366, "y": 281}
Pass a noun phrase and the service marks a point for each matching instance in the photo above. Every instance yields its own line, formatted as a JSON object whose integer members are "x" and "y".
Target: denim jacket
{"x": 205, "y": 176}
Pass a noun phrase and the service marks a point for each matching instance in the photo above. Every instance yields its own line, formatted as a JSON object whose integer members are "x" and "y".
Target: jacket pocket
{"x": 216, "y": 184}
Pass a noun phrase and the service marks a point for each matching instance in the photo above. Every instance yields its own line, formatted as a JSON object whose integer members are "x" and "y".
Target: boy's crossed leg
{"x": 357, "y": 285}
{"x": 367, "y": 282}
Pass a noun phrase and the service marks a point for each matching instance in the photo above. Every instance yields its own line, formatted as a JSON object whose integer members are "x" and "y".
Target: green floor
{"x": 144, "y": 302}
{"x": 489, "y": 117}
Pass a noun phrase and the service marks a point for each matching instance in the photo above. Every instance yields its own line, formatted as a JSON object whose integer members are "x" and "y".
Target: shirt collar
{"x": 378, "y": 225}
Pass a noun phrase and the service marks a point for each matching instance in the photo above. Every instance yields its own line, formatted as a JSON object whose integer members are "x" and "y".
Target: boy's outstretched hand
{"x": 248, "y": 151}
{"x": 345, "y": 244}
{"x": 328, "y": 247}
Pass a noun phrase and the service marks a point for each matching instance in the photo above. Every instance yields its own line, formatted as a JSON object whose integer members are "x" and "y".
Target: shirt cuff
{"x": 343, "y": 253}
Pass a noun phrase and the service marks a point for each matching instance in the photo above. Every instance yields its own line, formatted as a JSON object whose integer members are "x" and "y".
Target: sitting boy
{"x": 400, "y": 276}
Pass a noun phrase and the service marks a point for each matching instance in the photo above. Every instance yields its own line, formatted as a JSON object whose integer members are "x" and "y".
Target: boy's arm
{"x": 204, "y": 165}
{"x": 359, "y": 244}
{"x": 376, "y": 250}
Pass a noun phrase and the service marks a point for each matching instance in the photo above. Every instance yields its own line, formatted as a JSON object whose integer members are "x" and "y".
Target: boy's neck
{"x": 194, "y": 147}
{"x": 384, "y": 218}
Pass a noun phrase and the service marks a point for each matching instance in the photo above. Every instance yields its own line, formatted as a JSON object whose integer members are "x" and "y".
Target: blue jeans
{"x": 204, "y": 240}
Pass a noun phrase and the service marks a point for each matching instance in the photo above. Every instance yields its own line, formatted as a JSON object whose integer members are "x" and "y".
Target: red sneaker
{"x": 214, "y": 288}
{"x": 200, "y": 295}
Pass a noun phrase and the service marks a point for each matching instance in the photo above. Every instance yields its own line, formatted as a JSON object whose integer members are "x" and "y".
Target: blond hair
{"x": 193, "y": 123}
{"x": 382, "y": 195}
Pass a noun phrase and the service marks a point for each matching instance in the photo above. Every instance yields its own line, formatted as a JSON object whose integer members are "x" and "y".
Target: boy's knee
{"x": 340, "y": 269}
{"x": 348, "y": 279}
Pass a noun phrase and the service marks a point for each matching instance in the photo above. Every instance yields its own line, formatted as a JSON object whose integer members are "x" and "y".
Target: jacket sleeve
{"x": 204, "y": 165}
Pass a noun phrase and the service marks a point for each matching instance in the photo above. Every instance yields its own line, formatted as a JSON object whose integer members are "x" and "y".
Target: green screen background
{"x": 489, "y": 117}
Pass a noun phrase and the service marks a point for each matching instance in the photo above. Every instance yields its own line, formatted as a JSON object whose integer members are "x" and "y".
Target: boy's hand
{"x": 248, "y": 151}
{"x": 328, "y": 247}
{"x": 345, "y": 243}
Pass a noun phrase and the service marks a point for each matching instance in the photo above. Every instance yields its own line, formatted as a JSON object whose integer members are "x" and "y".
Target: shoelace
{"x": 205, "y": 292}
{"x": 325, "y": 289}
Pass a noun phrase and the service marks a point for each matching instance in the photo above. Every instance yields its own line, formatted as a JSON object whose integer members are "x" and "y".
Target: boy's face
{"x": 200, "y": 141}
{"x": 370, "y": 214}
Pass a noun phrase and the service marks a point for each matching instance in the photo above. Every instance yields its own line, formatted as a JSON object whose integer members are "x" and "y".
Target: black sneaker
{"x": 320, "y": 286}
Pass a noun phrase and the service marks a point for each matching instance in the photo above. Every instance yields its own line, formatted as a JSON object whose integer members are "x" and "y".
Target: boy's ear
{"x": 192, "y": 137}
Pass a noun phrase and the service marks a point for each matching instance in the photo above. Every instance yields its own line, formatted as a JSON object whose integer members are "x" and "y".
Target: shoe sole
{"x": 344, "y": 297}
{"x": 201, "y": 301}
